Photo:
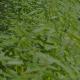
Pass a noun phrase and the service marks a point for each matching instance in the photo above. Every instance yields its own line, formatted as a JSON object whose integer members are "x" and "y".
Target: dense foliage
{"x": 39, "y": 39}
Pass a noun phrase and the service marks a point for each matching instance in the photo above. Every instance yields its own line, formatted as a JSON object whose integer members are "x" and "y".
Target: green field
{"x": 39, "y": 39}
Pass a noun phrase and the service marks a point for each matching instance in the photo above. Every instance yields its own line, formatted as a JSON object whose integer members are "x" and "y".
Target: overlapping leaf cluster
{"x": 39, "y": 40}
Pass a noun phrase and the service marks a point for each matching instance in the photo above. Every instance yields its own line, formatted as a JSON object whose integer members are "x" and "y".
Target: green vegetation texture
{"x": 39, "y": 39}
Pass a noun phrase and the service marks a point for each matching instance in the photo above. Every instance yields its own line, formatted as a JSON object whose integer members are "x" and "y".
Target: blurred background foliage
{"x": 39, "y": 39}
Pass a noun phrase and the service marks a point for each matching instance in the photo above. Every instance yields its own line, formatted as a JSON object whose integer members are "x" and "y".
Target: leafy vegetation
{"x": 39, "y": 39}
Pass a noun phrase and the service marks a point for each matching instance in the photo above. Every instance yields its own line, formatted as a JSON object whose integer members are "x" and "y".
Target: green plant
{"x": 39, "y": 40}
